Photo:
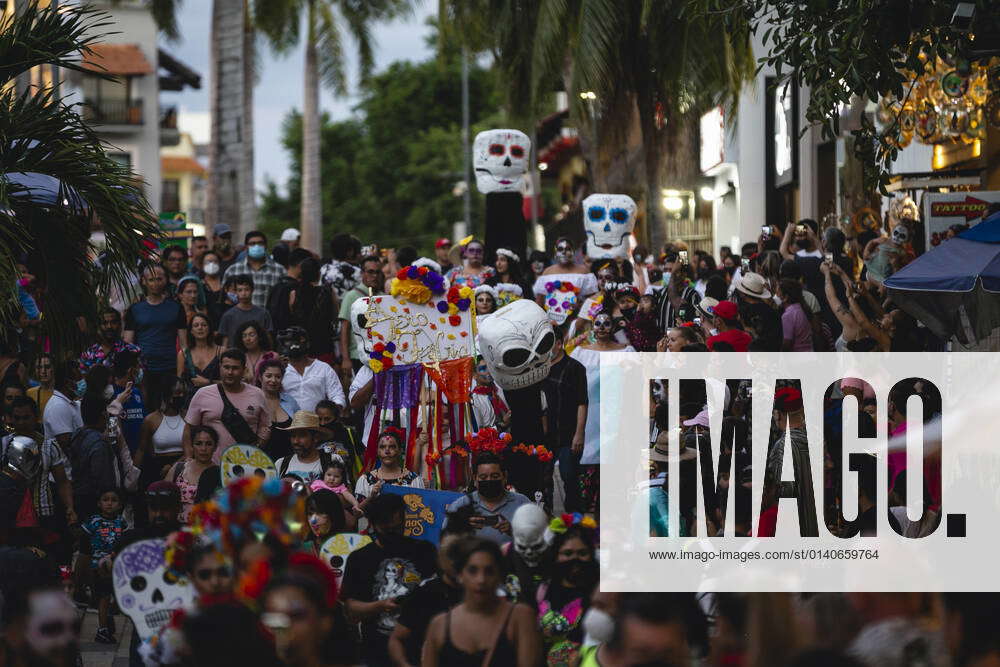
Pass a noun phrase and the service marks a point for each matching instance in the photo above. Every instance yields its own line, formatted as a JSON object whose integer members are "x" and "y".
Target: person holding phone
{"x": 494, "y": 504}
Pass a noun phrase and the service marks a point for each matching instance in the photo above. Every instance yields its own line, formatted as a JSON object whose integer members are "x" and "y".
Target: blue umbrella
{"x": 44, "y": 189}
{"x": 959, "y": 277}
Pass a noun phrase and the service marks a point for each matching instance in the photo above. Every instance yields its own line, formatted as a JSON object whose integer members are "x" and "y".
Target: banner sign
{"x": 944, "y": 209}
{"x": 425, "y": 510}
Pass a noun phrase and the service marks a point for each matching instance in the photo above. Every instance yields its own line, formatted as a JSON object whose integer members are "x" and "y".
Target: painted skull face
{"x": 900, "y": 234}
{"x": 517, "y": 343}
{"x": 500, "y": 158}
{"x": 145, "y": 589}
{"x": 528, "y": 529}
{"x": 608, "y": 220}
{"x": 53, "y": 627}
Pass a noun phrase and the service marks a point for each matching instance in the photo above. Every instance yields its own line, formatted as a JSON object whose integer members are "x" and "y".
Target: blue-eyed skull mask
{"x": 608, "y": 220}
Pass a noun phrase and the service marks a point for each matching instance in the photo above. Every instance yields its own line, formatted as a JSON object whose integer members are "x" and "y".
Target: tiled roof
{"x": 182, "y": 165}
{"x": 122, "y": 59}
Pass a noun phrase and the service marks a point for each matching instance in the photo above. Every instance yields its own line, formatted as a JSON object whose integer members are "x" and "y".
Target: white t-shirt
{"x": 809, "y": 253}
{"x": 61, "y": 416}
{"x": 361, "y": 378}
{"x": 309, "y": 472}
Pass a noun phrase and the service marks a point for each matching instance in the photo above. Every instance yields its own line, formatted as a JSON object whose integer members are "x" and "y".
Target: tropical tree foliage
{"x": 849, "y": 49}
{"x": 325, "y": 22}
{"x": 44, "y": 139}
{"x": 645, "y": 62}
{"x": 388, "y": 173}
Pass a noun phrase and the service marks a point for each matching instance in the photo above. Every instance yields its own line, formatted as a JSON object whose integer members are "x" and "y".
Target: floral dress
{"x": 457, "y": 276}
{"x": 560, "y": 614}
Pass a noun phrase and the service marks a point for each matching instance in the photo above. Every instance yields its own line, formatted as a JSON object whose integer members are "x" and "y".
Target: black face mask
{"x": 802, "y": 243}
{"x": 704, "y": 273}
{"x": 491, "y": 488}
{"x": 177, "y": 402}
{"x": 730, "y": 270}
{"x": 629, "y": 313}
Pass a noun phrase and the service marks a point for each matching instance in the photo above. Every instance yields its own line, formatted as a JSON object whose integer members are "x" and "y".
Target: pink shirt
{"x": 206, "y": 409}
{"x": 795, "y": 326}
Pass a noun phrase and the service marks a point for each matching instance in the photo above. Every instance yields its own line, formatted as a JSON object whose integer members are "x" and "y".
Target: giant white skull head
{"x": 528, "y": 528}
{"x": 517, "y": 342}
{"x": 608, "y": 220}
{"x": 500, "y": 158}
{"x": 145, "y": 589}
{"x": 52, "y": 629}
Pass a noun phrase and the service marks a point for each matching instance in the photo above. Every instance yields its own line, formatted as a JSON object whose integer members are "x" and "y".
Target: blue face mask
{"x": 81, "y": 388}
{"x": 256, "y": 252}
{"x": 232, "y": 296}
{"x": 138, "y": 377}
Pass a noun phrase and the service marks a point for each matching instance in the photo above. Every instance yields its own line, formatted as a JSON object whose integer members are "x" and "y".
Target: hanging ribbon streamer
{"x": 453, "y": 377}
{"x": 396, "y": 388}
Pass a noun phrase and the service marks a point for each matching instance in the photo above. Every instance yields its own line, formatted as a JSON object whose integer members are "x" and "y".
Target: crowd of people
{"x": 253, "y": 344}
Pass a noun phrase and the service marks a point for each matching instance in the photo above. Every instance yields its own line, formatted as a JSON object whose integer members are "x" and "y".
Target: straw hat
{"x": 309, "y": 421}
{"x": 455, "y": 253}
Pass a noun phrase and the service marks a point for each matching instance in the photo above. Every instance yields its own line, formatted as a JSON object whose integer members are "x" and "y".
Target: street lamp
{"x": 672, "y": 201}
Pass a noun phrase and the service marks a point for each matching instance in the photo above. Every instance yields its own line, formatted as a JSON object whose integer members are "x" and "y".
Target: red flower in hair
{"x": 255, "y": 580}
{"x": 398, "y": 433}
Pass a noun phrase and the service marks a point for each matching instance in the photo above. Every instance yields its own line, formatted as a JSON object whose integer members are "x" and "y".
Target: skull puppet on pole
{"x": 517, "y": 343}
{"x": 500, "y": 158}
{"x": 608, "y": 220}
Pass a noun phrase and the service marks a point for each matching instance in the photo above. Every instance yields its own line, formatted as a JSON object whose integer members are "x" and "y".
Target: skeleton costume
{"x": 526, "y": 553}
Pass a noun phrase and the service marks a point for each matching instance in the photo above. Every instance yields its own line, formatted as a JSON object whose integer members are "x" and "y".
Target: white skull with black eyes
{"x": 608, "y": 220}
{"x": 528, "y": 528}
{"x": 900, "y": 234}
{"x": 500, "y": 158}
{"x": 145, "y": 589}
{"x": 517, "y": 342}
{"x": 359, "y": 321}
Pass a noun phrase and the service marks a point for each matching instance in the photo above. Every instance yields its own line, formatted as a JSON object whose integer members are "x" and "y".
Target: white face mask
{"x": 598, "y": 625}
{"x": 109, "y": 392}
{"x": 211, "y": 268}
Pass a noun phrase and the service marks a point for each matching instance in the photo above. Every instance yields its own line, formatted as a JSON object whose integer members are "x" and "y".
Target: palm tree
{"x": 56, "y": 179}
{"x": 280, "y": 21}
{"x": 231, "y": 194}
{"x": 647, "y": 63}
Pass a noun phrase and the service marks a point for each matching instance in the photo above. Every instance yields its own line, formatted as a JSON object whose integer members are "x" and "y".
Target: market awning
{"x": 120, "y": 59}
{"x": 987, "y": 231}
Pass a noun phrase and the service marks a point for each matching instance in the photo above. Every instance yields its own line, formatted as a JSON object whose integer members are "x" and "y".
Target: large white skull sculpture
{"x": 528, "y": 528}
{"x": 145, "y": 589}
{"x": 516, "y": 342}
{"x": 608, "y": 220}
{"x": 359, "y": 319}
{"x": 500, "y": 158}
{"x": 51, "y": 630}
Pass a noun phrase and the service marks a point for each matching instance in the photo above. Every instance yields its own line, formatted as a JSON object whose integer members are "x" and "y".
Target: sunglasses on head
{"x": 206, "y": 573}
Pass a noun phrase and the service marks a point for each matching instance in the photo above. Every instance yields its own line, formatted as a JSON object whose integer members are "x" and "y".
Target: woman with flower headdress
{"x": 564, "y": 597}
{"x": 563, "y": 287}
{"x": 391, "y": 444}
{"x": 509, "y": 273}
{"x": 470, "y": 272}
{"x": 486, "y": 300}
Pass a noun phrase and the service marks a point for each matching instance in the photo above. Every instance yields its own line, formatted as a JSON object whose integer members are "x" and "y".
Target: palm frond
{"x": 37, "y": 36}
{"x": 41, "y": 134}
{"x": 330, "y": 49}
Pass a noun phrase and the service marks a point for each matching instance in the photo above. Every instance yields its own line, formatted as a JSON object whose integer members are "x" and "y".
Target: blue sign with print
{"x": 425, "y": 510}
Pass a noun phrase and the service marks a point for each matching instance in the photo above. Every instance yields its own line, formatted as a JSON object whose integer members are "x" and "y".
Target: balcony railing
{"x": 114, "y": 113}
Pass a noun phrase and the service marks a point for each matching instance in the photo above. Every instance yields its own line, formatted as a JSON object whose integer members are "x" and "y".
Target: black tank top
{"x": 453, "y": 656}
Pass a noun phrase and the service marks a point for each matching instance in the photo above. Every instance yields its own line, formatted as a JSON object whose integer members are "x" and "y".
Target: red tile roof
{"x": 122, "y": 59}
{"x": 182, "y": 165}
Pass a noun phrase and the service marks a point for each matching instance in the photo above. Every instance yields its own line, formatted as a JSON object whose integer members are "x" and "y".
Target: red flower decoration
{"x": 454, "y": 320}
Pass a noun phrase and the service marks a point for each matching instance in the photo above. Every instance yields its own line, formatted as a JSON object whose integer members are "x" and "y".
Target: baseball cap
{"x": 221, "y": 229}
{"x": 700, "y": 419}
{"x": 788, "y": 399}
{"x": 726, "y": 310}
{"x": 290, "y": 234}
{"x": 163, "y": 493}
{"x": 442, "y": 243}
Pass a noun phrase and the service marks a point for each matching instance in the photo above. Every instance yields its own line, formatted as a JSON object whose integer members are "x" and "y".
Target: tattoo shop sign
{"x": 817, "y": 516}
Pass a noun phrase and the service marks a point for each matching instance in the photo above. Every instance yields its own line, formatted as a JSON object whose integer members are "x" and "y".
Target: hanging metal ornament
{"x": 954, "y": 85}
